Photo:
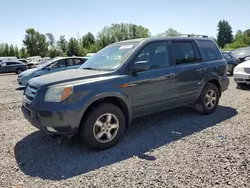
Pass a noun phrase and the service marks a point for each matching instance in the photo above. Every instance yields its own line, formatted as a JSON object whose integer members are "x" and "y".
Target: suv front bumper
{"x": 52, "y": 122}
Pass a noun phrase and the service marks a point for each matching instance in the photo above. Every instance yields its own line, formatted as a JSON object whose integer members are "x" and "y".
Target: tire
{"x": 242, "y": 85}
{"x": 232, "y": 72}
{"x": 19, "y": 70}
{"x": 202, "y": 104}
{"x": 90, "y": 130}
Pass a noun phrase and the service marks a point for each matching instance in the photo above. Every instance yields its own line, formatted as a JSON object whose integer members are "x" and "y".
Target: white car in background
{"x": 242, "y": 73}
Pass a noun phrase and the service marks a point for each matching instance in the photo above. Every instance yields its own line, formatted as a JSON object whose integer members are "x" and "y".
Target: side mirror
{"x": 140, "y": 66}
{"x": 48, "y": 68}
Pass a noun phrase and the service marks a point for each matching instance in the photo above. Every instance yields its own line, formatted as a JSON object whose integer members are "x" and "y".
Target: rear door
{"x": 190, "y": 71}
{"x": 12, "y": 66}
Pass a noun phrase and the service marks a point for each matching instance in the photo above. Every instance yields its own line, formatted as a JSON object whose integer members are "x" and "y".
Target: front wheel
{"x": 242, "y": 85}
{"x": 103, "y": 128}
{"x": 232, "y": 72}
{"x": 208, "y": 100}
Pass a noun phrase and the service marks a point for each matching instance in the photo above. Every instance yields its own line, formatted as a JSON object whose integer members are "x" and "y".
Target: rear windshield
{"x": 209, "y": 50}
{"x": 241, "y": 52}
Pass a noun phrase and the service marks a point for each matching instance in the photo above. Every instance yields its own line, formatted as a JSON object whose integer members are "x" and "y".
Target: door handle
{"x": 201, "y": 70}
{"x": 170, "y": 75}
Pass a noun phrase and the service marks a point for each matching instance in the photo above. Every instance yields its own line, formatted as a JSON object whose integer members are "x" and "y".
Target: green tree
{"x": 23, "y": 53}
{"x": 88, "y": 40}
{"x": 73, "y": 47}
{"x": 247, "y": 32}
{"x": 169, "y": 32}
{"x": 118, "y": 32}
{"x": 50, "y": 39}
{"x": 16, "y": 51}
{"x": 238, "y": 34}
{"x": 11, "y": 50}
{"x": 242, "y": 39}
{"x": 54, "y": 52}
{"x": 6, "y": 50}
{"x": 225, "y": 35}
{"x": 35, "y": 43}
{"x": 2, "y": 48}
{"x": 62, "y": 43}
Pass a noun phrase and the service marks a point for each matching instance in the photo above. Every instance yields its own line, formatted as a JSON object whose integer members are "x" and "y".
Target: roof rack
{"x": 194, "y": 35}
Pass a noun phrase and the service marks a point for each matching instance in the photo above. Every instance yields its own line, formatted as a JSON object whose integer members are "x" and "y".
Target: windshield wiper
{"x": 89, "y": 68}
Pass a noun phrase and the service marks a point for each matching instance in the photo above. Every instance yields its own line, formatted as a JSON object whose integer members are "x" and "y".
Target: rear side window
{"x": 79, "y": 61}
{"x": 209, "y": 50}
{"x": 185, "y": 52}
{"x": 12, "y": 63}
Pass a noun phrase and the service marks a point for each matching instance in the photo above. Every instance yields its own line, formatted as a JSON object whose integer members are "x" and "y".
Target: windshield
{"x": 110, "y": 58}
{"x": 241, "y": 52}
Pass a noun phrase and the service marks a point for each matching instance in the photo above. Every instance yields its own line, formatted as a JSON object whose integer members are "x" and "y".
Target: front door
{"x": 151, "y": 90}
{"x": 190, "y": 71}
{"x": 57, "y": 66}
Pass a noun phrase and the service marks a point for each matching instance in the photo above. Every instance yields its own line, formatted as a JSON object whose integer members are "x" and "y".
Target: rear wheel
{"x": 208, "y": 100}
{"x": 103, "y": 128}
{"x": 19, "y": 70}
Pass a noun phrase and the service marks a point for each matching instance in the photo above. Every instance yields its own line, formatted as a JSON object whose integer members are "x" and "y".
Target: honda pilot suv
{"x": 124, "y": 81}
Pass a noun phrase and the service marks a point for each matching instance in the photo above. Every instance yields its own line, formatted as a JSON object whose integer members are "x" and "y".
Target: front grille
{"x": 247, "y": 70}
{"x": 30, "y": 92}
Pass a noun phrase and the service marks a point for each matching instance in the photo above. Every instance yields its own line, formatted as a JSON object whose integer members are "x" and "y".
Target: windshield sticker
{"x": 126, "y": 47}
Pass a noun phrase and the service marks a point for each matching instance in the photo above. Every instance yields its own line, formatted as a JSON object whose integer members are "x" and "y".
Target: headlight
{"x": 239, "y": 69}
{"x": 58, "y": 94}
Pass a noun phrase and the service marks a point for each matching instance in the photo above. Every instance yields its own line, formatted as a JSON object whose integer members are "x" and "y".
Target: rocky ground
{"x": 177, "y": 148}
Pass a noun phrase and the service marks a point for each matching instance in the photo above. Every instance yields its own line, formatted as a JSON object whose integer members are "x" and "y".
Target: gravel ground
{"x": 176, "y": 148}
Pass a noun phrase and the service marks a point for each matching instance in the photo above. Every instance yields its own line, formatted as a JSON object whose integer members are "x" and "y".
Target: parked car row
{"x": 236, "y": 57}
{"x": 55, "y": 65}
{"x": 12, "y": 66}
{"x": 123, "y": 81}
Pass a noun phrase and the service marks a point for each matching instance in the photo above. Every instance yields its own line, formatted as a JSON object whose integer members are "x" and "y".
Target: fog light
{"x": 50, "y": 129}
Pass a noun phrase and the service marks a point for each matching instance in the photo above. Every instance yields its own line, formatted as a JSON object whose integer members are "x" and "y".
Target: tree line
{"x": 36, "y": 43}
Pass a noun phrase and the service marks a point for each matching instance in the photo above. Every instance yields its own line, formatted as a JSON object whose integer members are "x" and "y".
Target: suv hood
{"x": 65, "y": 76}
{"x": 27, "y": 72}
{"x": 245, "y": 64}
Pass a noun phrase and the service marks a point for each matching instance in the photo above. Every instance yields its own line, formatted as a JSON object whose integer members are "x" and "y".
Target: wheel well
{"x": 216, "y": 82}
{"x": 113, "y": 100}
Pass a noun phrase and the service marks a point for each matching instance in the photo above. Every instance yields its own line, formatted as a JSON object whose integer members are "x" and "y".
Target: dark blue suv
{"x": 123, "y": 81}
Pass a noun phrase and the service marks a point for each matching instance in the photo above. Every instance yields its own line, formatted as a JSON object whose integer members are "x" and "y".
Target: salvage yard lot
{"x": 176, "y": 148}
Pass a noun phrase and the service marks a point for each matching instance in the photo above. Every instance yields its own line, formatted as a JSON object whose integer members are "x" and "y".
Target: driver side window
{"x": 156, "y": 55}
{"x": 58, "y": 64}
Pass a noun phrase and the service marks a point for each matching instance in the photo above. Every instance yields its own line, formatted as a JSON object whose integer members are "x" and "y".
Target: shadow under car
{"x": 39, "y": 155}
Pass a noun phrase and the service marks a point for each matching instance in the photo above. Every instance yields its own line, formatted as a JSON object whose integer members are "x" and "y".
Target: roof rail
{"x": 194, "y": 35}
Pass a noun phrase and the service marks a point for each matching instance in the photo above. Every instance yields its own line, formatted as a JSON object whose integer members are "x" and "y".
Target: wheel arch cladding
{"x": 113, "y": 100}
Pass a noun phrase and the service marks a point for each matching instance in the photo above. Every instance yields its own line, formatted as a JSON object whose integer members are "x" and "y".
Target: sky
{"x": 73, "y": 18}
